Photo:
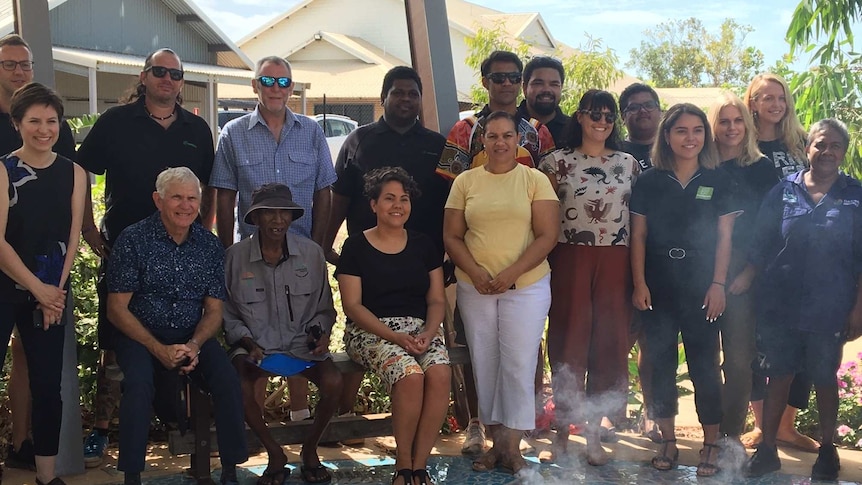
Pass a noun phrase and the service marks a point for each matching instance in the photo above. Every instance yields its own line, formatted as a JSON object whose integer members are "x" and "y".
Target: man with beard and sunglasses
{"x": 543, "y": 88}
{"x": 274, "y": 145}
{"x": 131, "y": 144}
{"x": 501, "y": 76}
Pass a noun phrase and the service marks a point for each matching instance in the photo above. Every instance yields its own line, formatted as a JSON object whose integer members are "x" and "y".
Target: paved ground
{"x": 372, "y": 463}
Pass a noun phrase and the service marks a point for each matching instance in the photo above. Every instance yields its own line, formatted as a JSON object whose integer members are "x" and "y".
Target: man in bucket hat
{"x": 278, "y": 317}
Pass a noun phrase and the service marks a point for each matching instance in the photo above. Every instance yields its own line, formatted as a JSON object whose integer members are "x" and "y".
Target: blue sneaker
{"x": 94, "y": 449}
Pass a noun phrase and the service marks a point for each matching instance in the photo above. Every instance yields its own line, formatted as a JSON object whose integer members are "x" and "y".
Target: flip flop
{"x": 608, "y": 435}
{"x": 486, "y": 462}
{"x": 315, "y": 474}
{"x": 273, "y": 477}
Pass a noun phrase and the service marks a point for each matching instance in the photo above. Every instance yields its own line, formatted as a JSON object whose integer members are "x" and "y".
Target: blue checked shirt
{"x": 248, "y": 156}
{"x": 168, "y": 281}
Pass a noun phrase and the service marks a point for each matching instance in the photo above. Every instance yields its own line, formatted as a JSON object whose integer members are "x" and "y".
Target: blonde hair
{"x": 662, "y": 155}
{"x": 750, "y": 152}
{"x": 789, "y": 129}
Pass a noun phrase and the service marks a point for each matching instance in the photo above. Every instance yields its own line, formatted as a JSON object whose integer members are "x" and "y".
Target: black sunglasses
{"x": 635, "y": 107}
{"x": 269, "y": 81}
{"x": 500, "y": 77}
{"x": 596, "y": 115}
{"x": 160, "y": 72}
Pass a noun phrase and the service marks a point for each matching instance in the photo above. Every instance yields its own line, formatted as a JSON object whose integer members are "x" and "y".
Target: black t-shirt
{"x": 132, "y": 149}
{"x": 417, "y": 151}
{"x": 39, "y": 220}
{"x": 10, "y": 139}
{"x": 393, "y": 285}
{"x": 751, "y": 184}
{"x": 640, "y": 151}
{"x": 557, "y": 125}
{"x": 683, "y": 217}
{"x": 783, "y": 162}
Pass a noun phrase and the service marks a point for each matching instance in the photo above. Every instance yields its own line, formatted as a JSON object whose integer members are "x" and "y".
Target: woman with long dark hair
{"x": 590, "y": 314}
{"x": 682, "y": 222}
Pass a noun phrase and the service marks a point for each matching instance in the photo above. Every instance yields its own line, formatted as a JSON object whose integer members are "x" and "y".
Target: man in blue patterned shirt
{"x": 165, "y": 293}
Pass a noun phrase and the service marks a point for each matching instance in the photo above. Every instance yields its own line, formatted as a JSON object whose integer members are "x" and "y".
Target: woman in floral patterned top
{"x": 590, "y": 273}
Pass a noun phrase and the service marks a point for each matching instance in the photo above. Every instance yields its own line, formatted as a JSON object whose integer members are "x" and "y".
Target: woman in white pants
{"x": 500, "y": 224}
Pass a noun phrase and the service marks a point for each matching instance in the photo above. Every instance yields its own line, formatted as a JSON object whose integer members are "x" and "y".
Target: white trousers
{"x": 504, "y": 333}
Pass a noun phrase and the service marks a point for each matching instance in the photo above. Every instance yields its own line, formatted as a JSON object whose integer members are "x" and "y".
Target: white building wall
{"x": 380, "y": 22}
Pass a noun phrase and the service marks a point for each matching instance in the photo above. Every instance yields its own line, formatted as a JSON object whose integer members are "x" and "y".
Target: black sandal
{"x": 664, "y": 462}
{"x": 705, "y": 468}
{"x": 406, "y": 474}
{"x": 423, "y": 476}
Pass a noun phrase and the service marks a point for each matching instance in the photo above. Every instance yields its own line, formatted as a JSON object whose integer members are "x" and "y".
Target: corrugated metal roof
{"x": 128, "y": 64}
{"x": 205, "y": 28}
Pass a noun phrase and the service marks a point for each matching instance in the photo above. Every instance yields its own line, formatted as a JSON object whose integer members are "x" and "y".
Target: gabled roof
{"x": 275, "y": 21}
{"x": 194, "y": 17}
{"x": 355, "y": 46}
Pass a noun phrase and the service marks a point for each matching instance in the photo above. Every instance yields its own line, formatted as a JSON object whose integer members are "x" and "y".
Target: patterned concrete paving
{"x": 456, "y": 470}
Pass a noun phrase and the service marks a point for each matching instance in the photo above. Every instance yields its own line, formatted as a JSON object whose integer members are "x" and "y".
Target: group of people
{"x": 726, "y": 228}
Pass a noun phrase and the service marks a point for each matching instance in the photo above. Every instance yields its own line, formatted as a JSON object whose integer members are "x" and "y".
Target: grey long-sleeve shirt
{"x": 274, "y": 305}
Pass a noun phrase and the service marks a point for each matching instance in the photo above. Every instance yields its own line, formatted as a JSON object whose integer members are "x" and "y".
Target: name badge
{"x": 704, "y": 193}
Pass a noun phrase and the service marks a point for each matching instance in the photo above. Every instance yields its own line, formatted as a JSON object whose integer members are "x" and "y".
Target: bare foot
{"x": 752, "y": 438}
{"x": 558, "y": 451}
{"x": 794, "y": 439}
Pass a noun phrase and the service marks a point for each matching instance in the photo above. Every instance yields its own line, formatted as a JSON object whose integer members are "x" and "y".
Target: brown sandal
{"x": 705, "y": 468}
{"x": 662, "y": 461}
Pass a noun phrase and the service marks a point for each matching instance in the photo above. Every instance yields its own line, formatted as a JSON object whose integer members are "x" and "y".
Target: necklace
{"x": 161, "y": 118}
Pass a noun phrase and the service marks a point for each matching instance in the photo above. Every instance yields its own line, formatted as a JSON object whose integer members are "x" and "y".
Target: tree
{"x": 831, "y": 86}
{"x": 590, "y": 66}
{"x": 682, "y": 53}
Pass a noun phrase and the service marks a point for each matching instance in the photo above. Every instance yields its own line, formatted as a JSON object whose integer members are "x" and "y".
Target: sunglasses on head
{"x": 159, "y": 72}
{"x": 500, "y": 77}
{"x": 269, "y": 81}
{"x": 635, "y": 107}
{"x": 596, "y": 115}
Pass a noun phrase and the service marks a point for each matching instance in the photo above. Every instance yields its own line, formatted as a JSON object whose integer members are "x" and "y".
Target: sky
{"x": 618, "y": 23}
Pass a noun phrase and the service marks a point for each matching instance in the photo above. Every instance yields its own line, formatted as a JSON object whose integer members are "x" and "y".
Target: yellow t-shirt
{"x": 497, "y": 208}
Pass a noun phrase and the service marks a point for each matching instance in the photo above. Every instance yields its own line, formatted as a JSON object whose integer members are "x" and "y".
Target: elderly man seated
{"x": 165, "y": 291}
{"x": 278, "y": 318}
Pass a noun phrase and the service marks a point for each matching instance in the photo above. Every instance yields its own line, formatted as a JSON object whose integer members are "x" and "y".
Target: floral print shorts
{"x": 390, "y": 361}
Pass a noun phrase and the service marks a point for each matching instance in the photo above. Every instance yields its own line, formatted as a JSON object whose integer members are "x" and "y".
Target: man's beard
{"x": 544, "y": 108}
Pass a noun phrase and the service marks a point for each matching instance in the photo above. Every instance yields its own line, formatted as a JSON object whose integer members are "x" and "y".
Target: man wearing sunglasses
{"x": 16, "y": 70}
{"x": 131, "y": 144}
{"x": 641, "y": 111}
{"x": 501, "y": 76}
{"x": 543, "y": 88}
{"x": 273, "y": 145}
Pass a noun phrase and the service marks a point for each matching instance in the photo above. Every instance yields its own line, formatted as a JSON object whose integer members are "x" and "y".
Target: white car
{"x": 336, "y": 128}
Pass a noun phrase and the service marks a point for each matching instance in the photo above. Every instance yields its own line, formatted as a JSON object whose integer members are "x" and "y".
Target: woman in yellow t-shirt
{"x": 499, "y": 226}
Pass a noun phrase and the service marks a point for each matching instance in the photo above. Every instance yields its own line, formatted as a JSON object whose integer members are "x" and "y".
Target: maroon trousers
{"x": 588, "y": 331}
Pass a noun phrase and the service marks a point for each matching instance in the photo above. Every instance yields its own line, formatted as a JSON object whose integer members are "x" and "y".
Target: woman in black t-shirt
{"x": 41, "y": 209}
{"x": 682, "y": 220}
{"x": 780, "y": 136}
{"x": 782, "y": 139}
{"x": 391, "y": 284}
{"x": 753, "y": 176}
